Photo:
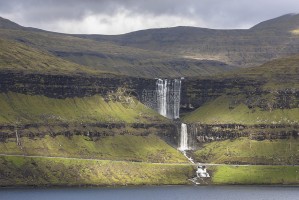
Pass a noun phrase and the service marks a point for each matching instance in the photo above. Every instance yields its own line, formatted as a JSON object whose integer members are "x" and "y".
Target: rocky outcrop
{"x": 61, "y": 86}
{"x": 203, "y": 133}
{"x": 95, "y": 130}
{"x": 196, "y": 92}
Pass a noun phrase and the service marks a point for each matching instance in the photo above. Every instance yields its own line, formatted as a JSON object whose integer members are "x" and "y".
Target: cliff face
{"x": 205, "y": 133}
{"x": 63, "y": 86}
{"x": 92, "y": 130}
{"x": 196, "y": 92}
{"x": 258, "y": 106}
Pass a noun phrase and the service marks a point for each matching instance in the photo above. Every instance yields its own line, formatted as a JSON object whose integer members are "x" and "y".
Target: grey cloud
{"x": 214, "y": 13}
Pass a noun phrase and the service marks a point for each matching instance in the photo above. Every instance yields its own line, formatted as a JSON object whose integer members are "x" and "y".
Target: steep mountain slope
{"x": 278, "y": 74}
{"x": 17, "y": 57}
{"x": 270, "y": 96}
{"x": 109, "y": 57}
{"x": 5, "y": 23}
{"x": 245, "y": 48}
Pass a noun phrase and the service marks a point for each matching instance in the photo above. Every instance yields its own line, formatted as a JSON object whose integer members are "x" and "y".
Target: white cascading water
{"x": 177, "y": 98}
{"x": 184, "y": 138}
{"x": 168, "y": 97}
{"x": 162, "y": 97}
{"x": 168, "y": 104}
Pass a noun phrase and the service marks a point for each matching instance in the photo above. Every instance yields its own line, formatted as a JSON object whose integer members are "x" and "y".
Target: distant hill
{"x": 245, "y": 48}
{"x": 5, "y": 23}
{"x": 281, "y": 24}
{"x": 166, "y": 52}
{"x": 106, "y": 56}
{"x": 21, "y": 58}
{"x": 280, "y": 73}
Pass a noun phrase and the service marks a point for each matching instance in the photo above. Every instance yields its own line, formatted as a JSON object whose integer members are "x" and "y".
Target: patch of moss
{"x": 120, "y": 147}
{"x": 19, "y": 57}
{"x": 76, "y": 172}
{"x": 246, "y": 151}
{"x": 220, "y": 111}
{"x": 255, "y": 175}
{"x": 20, "y": 108}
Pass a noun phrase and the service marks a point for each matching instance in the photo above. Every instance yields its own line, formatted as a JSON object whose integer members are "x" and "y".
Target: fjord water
{"x": 156, "y": 193}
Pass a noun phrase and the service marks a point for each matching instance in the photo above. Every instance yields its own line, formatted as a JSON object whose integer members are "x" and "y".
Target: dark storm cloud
{"x": 129, "y": 15}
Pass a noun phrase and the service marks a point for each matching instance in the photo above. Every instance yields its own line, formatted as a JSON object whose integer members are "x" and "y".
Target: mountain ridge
{"x": 110, "y": 57}
{"x": 237, "y": 47}
{"x": 167, "y": 52}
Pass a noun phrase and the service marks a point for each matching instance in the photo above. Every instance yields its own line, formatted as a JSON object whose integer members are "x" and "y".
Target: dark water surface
{"x": 156, "y": 193}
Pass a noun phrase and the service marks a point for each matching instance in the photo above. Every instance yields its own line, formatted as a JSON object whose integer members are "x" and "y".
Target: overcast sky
{"x": 122, "y": 16}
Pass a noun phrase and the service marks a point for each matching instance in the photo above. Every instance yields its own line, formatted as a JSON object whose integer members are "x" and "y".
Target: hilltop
{"x": 105, "y": 56}
{"x": 267, "y": 40}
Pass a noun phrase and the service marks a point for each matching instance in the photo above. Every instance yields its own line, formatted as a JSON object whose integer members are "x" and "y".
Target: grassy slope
{"x": 255, "y": 175}
{"x": 244, "y": 150}
{"x": 120, "y": 147}
{"x": 18, "y": 57}
{"x": 280, "y": 73}
{"x": 108, "y": 57}
{"x": 18, "y": 171}
{"x": 266, "y": 41}
{"x": 22, "y": 108}
{"x": 218, "y": 112}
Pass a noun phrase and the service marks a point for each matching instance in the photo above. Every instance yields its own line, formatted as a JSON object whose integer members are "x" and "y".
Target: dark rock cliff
{"x": 60, "y": 86}
{"x": 194, "y": 93}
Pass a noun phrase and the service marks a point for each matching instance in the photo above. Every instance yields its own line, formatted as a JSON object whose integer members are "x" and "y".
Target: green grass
{"x": 246, "y": 151}
{"x": 96, "y": 57}
{"x": 120, "y": 147}
{"x": 20, "y": 108}
{"x": 218, "y": 112}
{"x": 278, "y": 74}
{"x": 255, "y": 175}
{"x": 18, "y": 171}
{"x": 18, "y": 57}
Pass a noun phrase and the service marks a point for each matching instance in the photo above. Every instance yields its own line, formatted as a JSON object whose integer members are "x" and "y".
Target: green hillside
{"x": 18, "y": 57}
{"x": 246, "y": 48}
{"x": 109, "y": 57}
{"x": 246, "y": 151}
{"x": 120, "y": 147}
{"x": 280, "y": 73}
{"x": 19, "y": 171}
{"x": 220, "y": 111}
{"x": 15, "y": 107}
{"x": 255, "y": 175}
{"x": 248, "y": 106}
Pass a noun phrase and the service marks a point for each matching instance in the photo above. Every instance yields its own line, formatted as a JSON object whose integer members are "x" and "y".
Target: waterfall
{"x": 162, "y": 97}
{"x": 168, "y": 97}
{"x": 183, "y": 146}
{"x": 176, "y": 98}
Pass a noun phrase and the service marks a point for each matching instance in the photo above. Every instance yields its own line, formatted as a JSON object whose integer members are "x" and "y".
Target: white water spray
{"x": 184, "y": 138}
{"x": 168, "y": 97}
{"x": 162, "y": 97}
